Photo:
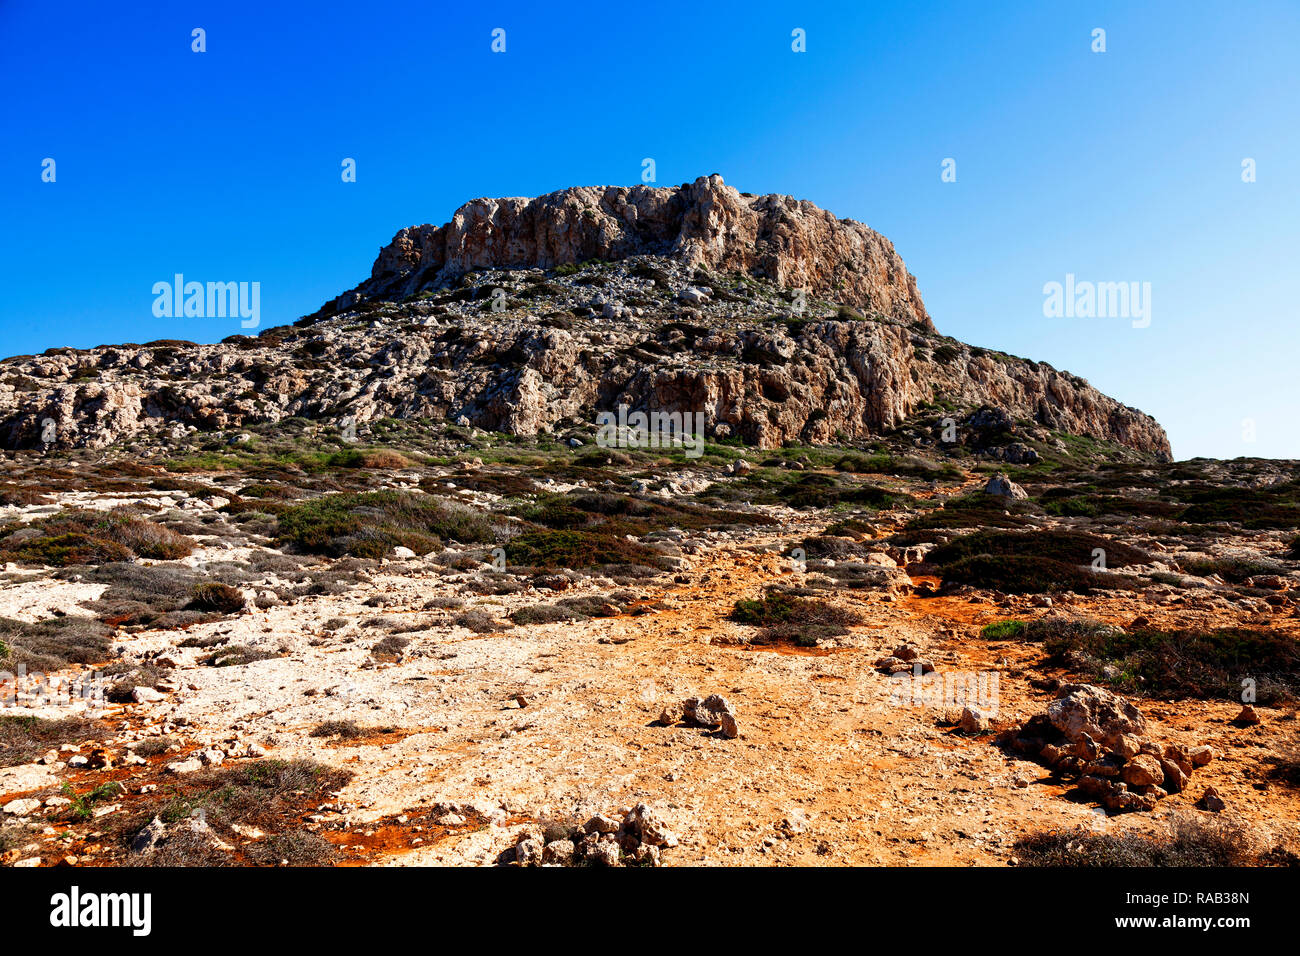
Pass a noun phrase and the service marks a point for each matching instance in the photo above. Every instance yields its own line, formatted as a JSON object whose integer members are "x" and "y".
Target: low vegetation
{"x": 53, "y": 644}
{"x": 783, "y": 617}
{"x": 23, "y": 739}
{"x": 1190, "y": 842}
{"x": 1016, "y": 574}
{"x": 92, "y": 537}
{"x": 578, "y": 549}
{"x": 372, "y": 524}
{"x": 1204, "y": 663}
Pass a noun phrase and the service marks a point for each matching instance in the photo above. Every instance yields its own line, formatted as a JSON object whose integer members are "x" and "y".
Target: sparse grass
{"x": 268, "y": 794}
{"x": 1191, "y": 841}
{"x": 82, "y": 807}
{"x": 294, "y": 848}
{"x": 156, "y": 596}
{"x": 784, "y": 617}
{"x": 154, "y": 746}
{"x": 92, "y": 537}
{"x": 372, "y": 524}
{"x": 23, "y": 739}
{"x": 54, "y": 643}
{"x": 217, "y": 597}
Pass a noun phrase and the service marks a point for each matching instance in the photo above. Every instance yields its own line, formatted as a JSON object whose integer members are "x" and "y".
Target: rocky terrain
{"x": 765, "y": 316}
{"x": 377, "y": 589}
{"x": 444, "y": 645}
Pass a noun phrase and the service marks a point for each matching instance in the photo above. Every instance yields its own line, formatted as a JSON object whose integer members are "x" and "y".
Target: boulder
{"x": 1000, "y": 486}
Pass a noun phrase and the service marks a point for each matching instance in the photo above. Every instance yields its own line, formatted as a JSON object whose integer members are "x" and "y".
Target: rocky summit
{"x": 764, "y": 318}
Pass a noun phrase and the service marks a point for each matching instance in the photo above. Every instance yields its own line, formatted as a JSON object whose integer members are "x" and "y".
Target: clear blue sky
{"x": 1115, "y": 166}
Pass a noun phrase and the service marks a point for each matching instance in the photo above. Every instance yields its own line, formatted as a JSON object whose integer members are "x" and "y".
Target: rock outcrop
{"x": 1100, "y": 739}
{"x": 787, "y": 241}
{"x": 689, "y": 311}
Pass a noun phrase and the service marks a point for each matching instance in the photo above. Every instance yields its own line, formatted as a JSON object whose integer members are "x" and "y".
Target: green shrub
{"x": 577, "y": 549}
{"x": 784, "y": 617}
{"x": 970, "y": 511}
{"x": 1201, "y": 663}
{"x": 1232, "y": 568}
{"x": 899, "y": 466}
{"x": 218, "y": 597}
{"x": 945, "y": 354}
{"x": 93, "y": 537}
{"x": 1277, "y": 506}
{"x": 372, "y": 524}
{"x": 822, "y": 491}
{"x": 82, "y": 807}
{"x": 1003, "y": 630}
{"x": 772, "y": 608}
{"x": 1066, "y": 547}
{"x": 1015, "y": 574}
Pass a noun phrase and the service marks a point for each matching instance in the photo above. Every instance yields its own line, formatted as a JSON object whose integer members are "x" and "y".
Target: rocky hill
{"x": 707, "y": 224}
{"x": 769, "y": 317}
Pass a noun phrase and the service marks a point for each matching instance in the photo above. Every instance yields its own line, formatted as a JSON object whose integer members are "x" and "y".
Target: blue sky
{"x": 1115, "y": 166}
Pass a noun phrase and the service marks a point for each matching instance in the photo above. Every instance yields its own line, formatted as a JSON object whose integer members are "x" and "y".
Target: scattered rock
{"x": 150, "y": 836}
{"x": 1099, "y": 739}
{"x": 22, "y": 807}
{"x": 1247, "y": 718}
{"x": 1211, "y": 801}
{"x": 973, "y": 721}
{"x": 1000, "y": 486}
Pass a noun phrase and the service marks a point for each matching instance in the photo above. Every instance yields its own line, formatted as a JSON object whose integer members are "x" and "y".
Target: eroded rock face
{"x": 700, "y": 321}
{"x": 707, "y": 223}
{"x": 835, "y": 379}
